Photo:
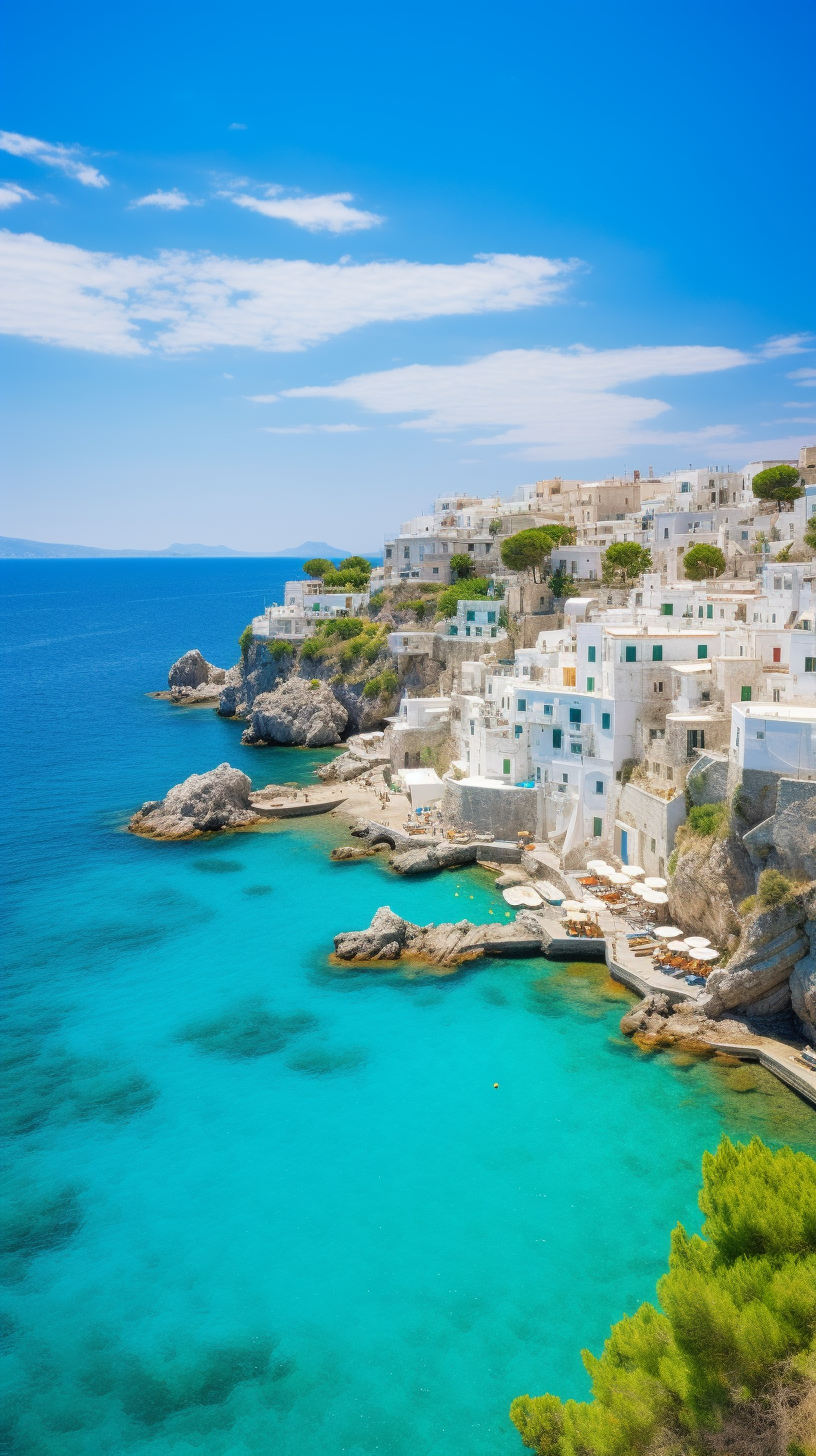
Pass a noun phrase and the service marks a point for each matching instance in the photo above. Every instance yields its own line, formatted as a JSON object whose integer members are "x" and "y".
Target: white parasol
{"x": 655, "y": 883}
{"x": 617, "y": 877}
{"x": 571, "y": 905}
{"x": 704, "y": 953}
{"x": 597, "y": 864}
{"x": 697, "y": 940}
{"x": 638, "y": 890}
{"x": 679, "y": 945}
{"x": 667, "y": 932}
{"x": 590, "y": 903}
{"x": 634, "y": 871}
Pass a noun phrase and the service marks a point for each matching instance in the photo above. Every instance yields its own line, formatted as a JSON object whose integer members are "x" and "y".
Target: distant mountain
{"x": 14, "y": 547}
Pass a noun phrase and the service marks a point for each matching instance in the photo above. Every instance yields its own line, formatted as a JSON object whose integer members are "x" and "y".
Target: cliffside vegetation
{"x": 773, "y": 888}
{"x": 528, "y": 550}
{"x": 778, "y": 483}
{"x": 727, "y": 1363}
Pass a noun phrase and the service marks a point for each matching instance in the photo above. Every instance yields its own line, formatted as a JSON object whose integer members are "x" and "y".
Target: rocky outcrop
{"x": 390, "y": 938}
{"x": 658, "y": 1022}
{"x": 711, "y": 879}
{"x": 421, "y": 858}
{"x": 343, "y": 768}
{"x": 201, "y": 804}
{"x": 193, "y": 679}
{"x": 755, "y": 982}
{"x": 297, "y": 712}
{"x": 350, "y": 852}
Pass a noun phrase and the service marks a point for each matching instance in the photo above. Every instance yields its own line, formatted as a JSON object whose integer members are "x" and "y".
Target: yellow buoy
{"x": 495, "y": 1084}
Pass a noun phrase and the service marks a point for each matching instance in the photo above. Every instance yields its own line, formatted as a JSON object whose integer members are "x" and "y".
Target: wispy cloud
{"x": 171, "y": 201}
{"x": 328, "y": 213}
{"x": 545, "y": 403}
{"x": 11, "y": 194}
{"x": 185, "y": 302}
{"x": 805, "y": 378}
{"x": 70, "y": 160}
{"x": 783, "y": 344}
{"x": 237, "y": 126}
{"x": 314, "y": 429}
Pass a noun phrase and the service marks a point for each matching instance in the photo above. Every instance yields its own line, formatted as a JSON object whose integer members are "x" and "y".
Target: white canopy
{"x": 697, "y": 940}
{"x": 655, "y": 883}
{"x": 679, "y": 945}
{"x": 655, "y": 897}
{"x": 597, "y": 864}
{"x": 704, "y": 953}
{"x": 522, "y": 895}
{"x": 667, "y": 932}
{"x": 634, "y": 871}
{"x": 571, "y": 905}
{"x": 617, "y": 877}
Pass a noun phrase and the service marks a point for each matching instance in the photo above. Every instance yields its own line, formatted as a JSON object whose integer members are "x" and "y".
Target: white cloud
{"x": 805, "y": 378}
{"x": 314, "y": 429}
{"x": 329, "y": 213}
{"x": 237, "y": 126}
{"x": 545, "y": 403}
{"x": 53, "y": 154}
{"x": 184, "y": 302}
{"x": 11, "y": 194}
{"x": 172, "y": 201}
{"x": 783, "y": 344}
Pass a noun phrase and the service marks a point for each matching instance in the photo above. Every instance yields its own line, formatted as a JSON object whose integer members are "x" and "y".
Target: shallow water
{"x": 256, "y": 1203}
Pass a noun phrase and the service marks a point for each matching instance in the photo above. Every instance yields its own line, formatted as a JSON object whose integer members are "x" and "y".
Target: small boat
{"x": 522, "y": 895}
{"x": 549, "y": 893}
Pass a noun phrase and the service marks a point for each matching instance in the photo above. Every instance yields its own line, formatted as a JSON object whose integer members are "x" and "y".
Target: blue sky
{"x": 276, "y": 272}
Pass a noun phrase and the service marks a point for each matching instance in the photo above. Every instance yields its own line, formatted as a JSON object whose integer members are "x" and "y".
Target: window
{"x": 684, "y": 487}
{"x": 568, "y": 674}
{"x": 705, "y": 697}
{"x": 472, "y": 727}
{"x": 590, "y": 654}
{"x": 777, "y": 696}
{"x": 597, "y": 828}
{"x": 606, "y": 720}
{"x": 745, "y": 694}
{"x": 388, "y": 553}
{"x": 737, "y": 739}
{"x": 657, "y": 652}
{"x": 557, "y": 737}
{"x": 702, "y": 650}
{"x": 744, "y": 535}
{"x": 658, "y": 687}
{"x": 506, "y": 766}
{"x": 519, "y": 729}
{"x": 599, "y": 786}
{"x": 575, "y": 747}
{"x": 777, "y": 654}
{"x": 665, "y": 533}
{"x": 548, "y": 709}
{"x": 575, "y": 715}
{"x": 631, "y": 654}
{"x": 760, "y": 735}
{"x": 471, "y": 546}
{"x": 435, "y": 570}
{"x": 710, "y": 611}
{"x": 521, "y": 705}
{"x": 590, "y": 687}
{"x": 406, "y": 552}
{"x": 491, "y": 616}
{"x": 699, "y": 611}
{"x": 810, "y": 664}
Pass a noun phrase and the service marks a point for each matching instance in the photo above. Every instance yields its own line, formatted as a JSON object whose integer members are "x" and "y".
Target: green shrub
{"x": 314, "y": 683}
{"x": 351, "y": 652}
{"x": 737, "y": 1307}
{"x": 462, "y": 591}
{"x": 244, "y": 640}
{"x": 462, "y": 565}
{"x": 778, "y": 483}
{"x": 748, "y": 904}
{"x": 772, "y": 888}
{"x": 705, "y": 819}
{"x": 319, "y": 566}
{"x": 673, "y": 858}
{"x": 625, "y": 560}
{"x": 280, "y": 648}
{"x": 376, "y": 600}
{"x": 703, "y": 561}
{"x": 382, "y": 685}
{"x": 344, "y": 627}
{"x": 419, "y": 611}
{"x": 372, "y": 650}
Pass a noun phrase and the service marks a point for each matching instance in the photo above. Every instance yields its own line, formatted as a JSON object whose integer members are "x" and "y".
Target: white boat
{"x": 548, "y": 892}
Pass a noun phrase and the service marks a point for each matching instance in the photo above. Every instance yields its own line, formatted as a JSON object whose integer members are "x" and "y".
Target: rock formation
{"x": 656, "y": 1021}
{"x": 202, "y": 803}
{"x": 755, "y": 981}
{"x": 711, "y": 880}
{"x": 343, "y": 768}
{"x": 389, "y": 938}
{"x": 297, "y": 712}
{"x": 194, "y": 679}
{"x": 421, "y": 854}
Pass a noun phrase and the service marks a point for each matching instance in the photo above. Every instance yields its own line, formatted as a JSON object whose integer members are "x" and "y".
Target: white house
{"x": 777, "y": 738}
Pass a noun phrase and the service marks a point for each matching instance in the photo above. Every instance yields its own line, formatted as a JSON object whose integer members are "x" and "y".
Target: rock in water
{"x": 297, "y": 713}
{"x": 204, "y": 802}
{"x": 192, "y": 670}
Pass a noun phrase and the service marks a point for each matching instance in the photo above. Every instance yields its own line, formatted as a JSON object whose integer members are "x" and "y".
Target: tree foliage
{"x": 245, "y": 640}
{"x": 461, "y": 564}
{"x": 626, "y": 561}
{"x": 529, "y": 549}
{"x": 702, "y": 561}
{"x": 280, "y": 648}
{"x": 462, "y": 591}
{"x": 736, "y": 1305}
{"x": 561, "y": 584}
{"x": 318, "y": 566}
{"x": 495, "y": 526}
{"x": 778, "y": 483}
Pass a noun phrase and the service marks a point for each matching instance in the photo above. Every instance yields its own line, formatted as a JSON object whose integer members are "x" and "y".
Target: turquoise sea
{"x": 254, "y": 1204}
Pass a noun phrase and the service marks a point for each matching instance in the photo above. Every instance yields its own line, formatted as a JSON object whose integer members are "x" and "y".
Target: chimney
{"x": 637, "y": 475}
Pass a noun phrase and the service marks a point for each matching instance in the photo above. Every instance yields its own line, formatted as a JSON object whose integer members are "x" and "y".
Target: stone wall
{"x": 756, "y": 791}
{"x": 707, "y": 780}
{"x": 502, "y": 810}
{"x": 412, "y": 741}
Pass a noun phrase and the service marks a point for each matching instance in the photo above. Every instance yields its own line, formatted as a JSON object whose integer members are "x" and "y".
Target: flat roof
{"x": 798, "y": 713}
{"x": 691, "y": 666}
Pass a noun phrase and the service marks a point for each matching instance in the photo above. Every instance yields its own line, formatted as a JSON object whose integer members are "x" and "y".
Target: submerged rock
{"x": 202, "y": 803}
{"x": 345, "y": 852}
{"x": 297, "y": 712}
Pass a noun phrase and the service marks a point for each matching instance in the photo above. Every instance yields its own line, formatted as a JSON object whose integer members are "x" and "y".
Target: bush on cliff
{"x": 772, "y": 888}
{"x": 384, "y": 684}
{"x": 280, "y": 648}
{"x": 705, "y": 819}
{"x": 461, "y": 591}
{"x": 245, "y": 640}
{"x": 731, "y": 1350}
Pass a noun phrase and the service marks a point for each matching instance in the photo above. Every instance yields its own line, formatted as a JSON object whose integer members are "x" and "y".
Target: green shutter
{"x": 590, "y": 685}
{"x": 657, "y": 652}
{"x": 597, "y": 828}
{"x": 745, "y": 695}
{"x": 506, "y": 766}
{"x": 556, "y": 737}
{"x": 606, "y": 720}
{"x": 631, "y": 654}
{"x": 590, "y": 654}
{"x": 702, "y": 650}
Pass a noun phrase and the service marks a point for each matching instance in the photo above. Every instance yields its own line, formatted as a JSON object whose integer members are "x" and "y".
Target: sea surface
{"x": 254, "y": 1203}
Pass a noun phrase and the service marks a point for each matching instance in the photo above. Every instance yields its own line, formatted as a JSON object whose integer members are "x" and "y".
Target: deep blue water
{"x": 254, "y": 1204}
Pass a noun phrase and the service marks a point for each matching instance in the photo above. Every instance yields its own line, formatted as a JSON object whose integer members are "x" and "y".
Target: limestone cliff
{"x": 297, "y": 712}
{"x": 202, "y": 803}
{"x": 711, "y": 879}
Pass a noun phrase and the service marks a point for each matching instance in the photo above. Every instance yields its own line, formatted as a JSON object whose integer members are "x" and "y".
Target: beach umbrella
{"x": 655, "y": 883}
{"x": 704, "y": 953}
{"x": 679, "y": 945}
{"x": 639, "y": 890}
{"x": 617, "y": 877}
{"x": 590, "y": 903}
{"x": 655, "y": 897}
{"x": 571, "y": 905}
{"x": 701, "y": 940}
{"x": 597, "y": 864}
{"x": 576, "y": 915}
{"x": 667, "y": 932}
{"x": 634, "y": 871}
